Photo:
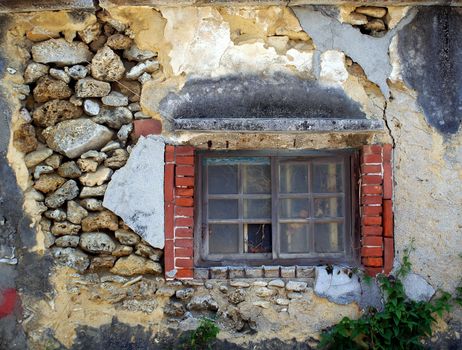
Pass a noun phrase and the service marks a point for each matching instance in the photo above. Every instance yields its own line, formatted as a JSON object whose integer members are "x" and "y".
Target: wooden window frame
{"x": 350, "y": 256}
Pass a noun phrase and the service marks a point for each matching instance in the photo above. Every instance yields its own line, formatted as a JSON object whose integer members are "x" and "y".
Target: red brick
{"x": 185, "y": 274}
{"x": 371, "y": 220}
{"x": 389, "y": 255}
{"x": 387, "y": 181}
{"x": 189, "y": 222}
{"x": 371, "y": 189}
{"x": 371, "y": 251}
{"x": 374, "y": 262}
{"x": 184, "y": 181}
{"x": 185, "y": 192}
{"x": 371, "y": 159}
{"x": 184, "y": 211}
{"x": 373, "y": 271}
{"x": 371, "y": 211}
{"x": 365, "y": 200}
{"x": 373, "y": 241}
{"x": 371, "y": 230}
{"x": 168, "y": 255}
{"x": 168, "y": 220}
{"x": 145, "y": 127}
{"x": 169, "y": 153}
{"x": 372, "y": 149}
{"x": 371, "y": 169}
{"x": 184, "y": 262}
{"x": 387, "y": 153}
{"x": 184, "y": 253}
{"x": 183, "y": 232}
{"x": 184, "y": 201}
{"x": 371, "y": 179}
{"x": 184, "y": 150}
{"x": 187, "y": 160}
{"x": 184, "y": 242}
{"x": 185, "y": 170}
{"x": 387, "y": 218}
{"x": 169, "y": 189}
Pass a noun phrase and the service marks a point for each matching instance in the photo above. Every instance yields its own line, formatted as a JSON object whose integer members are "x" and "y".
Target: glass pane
{"x": 223, "y": 209}
{"x": 327, "y": 177}
{"x": 257, "y": 208}
{"x": 328, "y": 238}
{"x": 256, "y": 179}
{"x": 257, "y": 238}
{"x": 293, "y": 178}
{"x": 223, "y": 238}
{"x": 294, "y": 238}
{"x": 294, "y": 208}
{"x": 222, "y": 179}
{"x": 328, "y": 207}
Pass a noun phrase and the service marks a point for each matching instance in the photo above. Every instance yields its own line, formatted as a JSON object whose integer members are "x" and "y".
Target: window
{"x": 275, "y": 208}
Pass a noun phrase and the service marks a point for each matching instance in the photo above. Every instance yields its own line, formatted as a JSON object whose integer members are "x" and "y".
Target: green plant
{"x": 400, "y": 325}
{"x": 203, "y": 336}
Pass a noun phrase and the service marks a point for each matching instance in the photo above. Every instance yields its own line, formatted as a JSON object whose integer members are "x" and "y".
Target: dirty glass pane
{"x": 293, "y": 178}
{"x": 223, "y": 238}
{"x": 257, "y": 238}
{"x": 328, "y": 207}
{"x": 328, "y": 237}
{"x": 222, "y": 179}
{"x": 223, "y": 209}
{"x": 256, "y": 179}
{"x": 294, "y": 238}
{"x": 257, "y": 208}
{"x": 327, "y": 177}
{"x": 294, "y": 208}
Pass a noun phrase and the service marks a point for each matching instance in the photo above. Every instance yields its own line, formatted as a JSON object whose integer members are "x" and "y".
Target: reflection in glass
{"x": 223, "y": 209}
{"x": 257, "y": 238}
{"x": 222, "y": 179}
{"x": 294, "y": 238}
{"x": 293, "y": 178}
{"x": 328, "y": 237}
{"x": 328, "y": 207}
{"x": 256, "y": 179}
{"x": 327, "y": 178}
{"x": 294, "y": 208}
{"x": 257, "y": 208}
{"x": 223, "y": 238}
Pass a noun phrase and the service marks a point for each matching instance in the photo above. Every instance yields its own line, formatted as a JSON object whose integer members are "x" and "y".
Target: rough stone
{"x": 74, "y": 137}
{"x": 96, "y": 191}
{"x": 115, "y": 99}
{"x": 100, "y": 176}
{"x": 355, "y": 19}
{"x": 119, "y": 42}
{"x": 42, "y": 169}
{"x": 372, "y": 11}
{"x": 67, "y": 241}
{"x": 134, "y": 107}
{"x": 24, "y": 139}
{"x": 61, "y": 52}
{"x": 376, "y": 25}
{"x": 67, "y": 191}
{"x": 101, "y": 220}
{"x": 174, "y": 309}
{"x": 127, "y": 237}
{"x": 75, "y": 213}
{"x": 65, "y": 228}
{"x": 145, "y": 77}
{"x": 237, "y": 296}
{"x": 71, "y": 257}
{"x": 117, "y": 160}
{"x": 87, "y": 165}
{"x": 54, "y": 161}
{"x": 185, "y": 293}
{"x": 25, "y": 115}
{"x": 277, "y": 283}
{"x": 135, "y": 265}
{"x": 282, "y": 301}
{"x": 294, "y": 286}
{"x": 98, "y": 157}
{"x": 77, "y": 72}
{"x": 49, "y": 183}
{"x": 141, "y": 210}
{"x": 238, "y": 284}
{"x": 90, "y": 33}
{"x": 124, "y": 132}
{"x": 34, "y": 71}
{"x": 56, "y": 214}
{"x": 60, "y": 74}
{"x": 69, "y": 170}
{"x": 89, "y": 87}
{"x": 97, "y": 242}
{"x": 264, "y": 292}
{"x": 76, "y": 101}
{"x": 102, "y": 262}
{"x": 48, "y": 88}
{"x": 55, "y": 111}
{"x": 417, "y": 288}
{"x": 202, "y": 303}
{"x": 107, "y": 65}
{"x": 114, "y": 117}
{"x": 148, "y": 66}
{"x": 135, "y": 54}
{"x": 92, "y": 204}
{"x": 36, "y": 157}
{"x": 111, "y": 146}
{"x": 166, "y": 291}
{"x": 122, "y": 250}
{"x": 337, "y": 286}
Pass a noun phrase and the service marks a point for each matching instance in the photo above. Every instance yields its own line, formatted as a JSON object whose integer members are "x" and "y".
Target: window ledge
{"x": 278, "y": 124}
{"x": 268, "y": 272}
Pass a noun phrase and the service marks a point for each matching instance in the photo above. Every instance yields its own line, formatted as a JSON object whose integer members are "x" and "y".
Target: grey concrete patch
{"x": 371, "y": 295}
{"x": 417, "y": 288}
{"x": 329, "y": 34}
{"x": 337, "y": 286}
{"x": 430, "y": 50}
{"x": 136, "y": 191}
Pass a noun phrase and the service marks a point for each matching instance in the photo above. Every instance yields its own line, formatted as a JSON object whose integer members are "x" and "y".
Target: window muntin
{"x": 257, "y": 207}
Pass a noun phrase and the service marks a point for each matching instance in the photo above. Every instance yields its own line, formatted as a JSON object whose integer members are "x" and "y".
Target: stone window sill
{"x": 270, "y": 272}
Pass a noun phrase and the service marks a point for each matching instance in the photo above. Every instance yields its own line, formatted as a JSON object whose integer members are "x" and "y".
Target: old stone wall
{"x": 90, "y": 100}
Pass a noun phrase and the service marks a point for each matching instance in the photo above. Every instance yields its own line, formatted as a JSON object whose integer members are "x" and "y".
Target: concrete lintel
{"x": 277, "y": 125}
{"x": 8, "y": 6}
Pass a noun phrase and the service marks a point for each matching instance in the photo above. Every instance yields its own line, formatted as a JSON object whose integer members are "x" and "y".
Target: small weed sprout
{"x": 204, "y": 335}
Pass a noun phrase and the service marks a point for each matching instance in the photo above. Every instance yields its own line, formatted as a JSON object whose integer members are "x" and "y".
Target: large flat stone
{"x": 417, "y": 288}
{"x": 337, "y": 286}
{"x": 136, "y": 191}
{"x": 74, "y": 137}
{"x": 61, "y": 52}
